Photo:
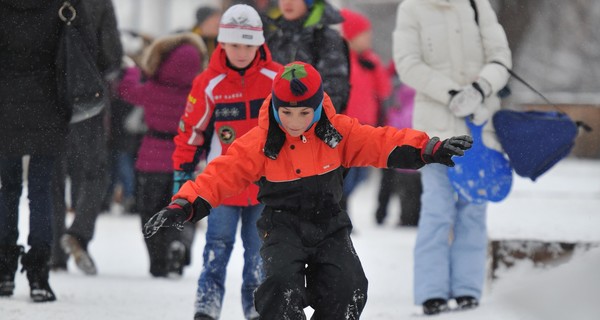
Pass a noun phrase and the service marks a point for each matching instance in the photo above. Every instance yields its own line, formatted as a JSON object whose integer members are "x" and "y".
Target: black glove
{"x": 173, "y": 215}
{"x": 176, "y": 214}
{"x": 437, "y": 151}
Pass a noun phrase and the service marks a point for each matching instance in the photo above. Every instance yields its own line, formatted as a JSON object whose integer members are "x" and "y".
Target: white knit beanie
{"x": 241, "y": 24}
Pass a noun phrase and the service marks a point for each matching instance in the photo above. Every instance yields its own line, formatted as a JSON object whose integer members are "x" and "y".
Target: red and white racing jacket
{"x": 223, "y": 105}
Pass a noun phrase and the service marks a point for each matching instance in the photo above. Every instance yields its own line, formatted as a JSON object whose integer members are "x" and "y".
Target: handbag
{"x": 482, "y": 174}
{"x": 553, "y": 132}
{"x": 80, "y": 85}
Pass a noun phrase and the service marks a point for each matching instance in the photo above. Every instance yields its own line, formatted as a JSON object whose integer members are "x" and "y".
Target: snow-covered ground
{"x": 562, "y": 205}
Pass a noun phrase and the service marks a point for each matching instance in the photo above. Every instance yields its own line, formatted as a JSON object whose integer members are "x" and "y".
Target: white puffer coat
{"x": 438, "y": 46}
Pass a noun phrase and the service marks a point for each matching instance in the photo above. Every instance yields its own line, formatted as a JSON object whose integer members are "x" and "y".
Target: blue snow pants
{"x": 220, "y": 237}
{"x": 451, "y": 246}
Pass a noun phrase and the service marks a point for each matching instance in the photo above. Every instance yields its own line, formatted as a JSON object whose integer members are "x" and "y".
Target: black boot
{"x": 176, "y": 258}
{"x": 466, "y": 302}
{"x": 35, "y": 263}
{"x": 200, "y": 316}
{"x": 9, "y": 262}
{"x": 380, "y": 215}
{"x": 435, "y": 306}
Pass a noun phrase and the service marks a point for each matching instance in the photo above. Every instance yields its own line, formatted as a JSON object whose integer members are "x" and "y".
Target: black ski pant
{"x": 408, "y": 186}
{"x": 154, "y": 193}
{"x": 309, "y": 264}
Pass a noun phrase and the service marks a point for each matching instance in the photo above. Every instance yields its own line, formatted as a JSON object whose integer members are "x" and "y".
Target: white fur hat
{"x": 241, "y": 24}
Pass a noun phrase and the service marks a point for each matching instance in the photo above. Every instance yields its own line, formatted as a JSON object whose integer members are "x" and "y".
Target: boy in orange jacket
{"x": 297, "y": 156}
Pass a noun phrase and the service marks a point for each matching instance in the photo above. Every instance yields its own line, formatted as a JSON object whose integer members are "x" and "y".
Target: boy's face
{"x": 293, "y": 9}
{"x": 296, "y": 120}
{"x": 239, "y": 55}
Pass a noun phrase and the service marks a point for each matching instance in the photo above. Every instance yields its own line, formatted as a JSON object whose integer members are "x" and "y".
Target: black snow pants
{"x": 154, "y": 191}
{"x": 309, "y": 264}
{"x": 408, "y": 186}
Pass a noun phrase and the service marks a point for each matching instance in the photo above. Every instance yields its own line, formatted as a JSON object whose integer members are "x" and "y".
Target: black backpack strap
{"x": 581, "y": 124}
{"x": 474, "y": 6}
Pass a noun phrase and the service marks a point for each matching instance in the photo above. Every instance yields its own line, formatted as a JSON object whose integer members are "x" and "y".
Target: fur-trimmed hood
{"x": 160, "y": 60}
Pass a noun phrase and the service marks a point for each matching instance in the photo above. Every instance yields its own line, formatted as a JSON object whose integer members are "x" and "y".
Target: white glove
{"x": 470, "y": 98}
{"x": 481, "y": 115}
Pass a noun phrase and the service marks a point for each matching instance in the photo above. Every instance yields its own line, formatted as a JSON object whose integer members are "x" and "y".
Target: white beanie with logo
{"x": 241, "y": 24}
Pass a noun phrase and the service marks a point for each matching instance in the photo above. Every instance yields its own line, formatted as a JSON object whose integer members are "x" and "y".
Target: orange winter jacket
{"x": 307, "y": 173}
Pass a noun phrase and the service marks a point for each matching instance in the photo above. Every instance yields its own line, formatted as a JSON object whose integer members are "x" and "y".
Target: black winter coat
{"x": 317, "y": 44}
{"x": 32, "y": 120}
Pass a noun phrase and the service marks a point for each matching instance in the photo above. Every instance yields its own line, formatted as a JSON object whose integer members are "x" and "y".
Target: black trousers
{"x": 84, "y": 161}
{"x": 408, "y": 187}
{"x": 309, "y": 264}
{"x": 39, "y": 195}
{"x": 154, "y": 193}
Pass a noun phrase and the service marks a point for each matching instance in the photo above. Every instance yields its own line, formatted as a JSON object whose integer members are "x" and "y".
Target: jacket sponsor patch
{"x": 226, "y": 134}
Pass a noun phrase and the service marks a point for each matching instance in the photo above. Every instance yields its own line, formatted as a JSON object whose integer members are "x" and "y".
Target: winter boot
{"x": 201, "y": 316}
{"x": 72, "y": 246}
{"x": 466, "y": 302}
{"x": 176, "y": 258}
{"x": 158, "y": 268}
{"x": 435, "y": 306}
{"x": 380, "y": 215}
{"x": 9, "y": 262}
{"x": 35, "y": 263}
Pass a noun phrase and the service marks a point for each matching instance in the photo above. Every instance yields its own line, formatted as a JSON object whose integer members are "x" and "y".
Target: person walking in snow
{"x": 35, "y": 122}
{"x": 85, "y": 159}
{"x": 303, "y": 32}
{"x": 222, "y": 106}
{"x": 446, "y": 51}
{"x": 169, "y": 66}
{"x": 297, "y": 156}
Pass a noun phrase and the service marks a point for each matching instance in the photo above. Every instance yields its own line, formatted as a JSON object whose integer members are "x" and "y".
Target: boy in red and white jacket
{"x": 222, "y": 106}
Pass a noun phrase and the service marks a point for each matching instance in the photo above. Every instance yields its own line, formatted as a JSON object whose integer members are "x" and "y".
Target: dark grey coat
{"x": 319, "y": 45}
{"x": 32, "y": 120}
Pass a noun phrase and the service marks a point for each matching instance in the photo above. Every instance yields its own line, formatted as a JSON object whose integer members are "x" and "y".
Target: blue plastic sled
{"x": 482, "y": 174}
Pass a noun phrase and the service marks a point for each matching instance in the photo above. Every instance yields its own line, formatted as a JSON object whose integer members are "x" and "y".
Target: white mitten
{"x": 467, "y": 100}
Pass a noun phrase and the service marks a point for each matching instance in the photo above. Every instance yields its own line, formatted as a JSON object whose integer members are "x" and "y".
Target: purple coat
{"x": 163, "y": 97}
